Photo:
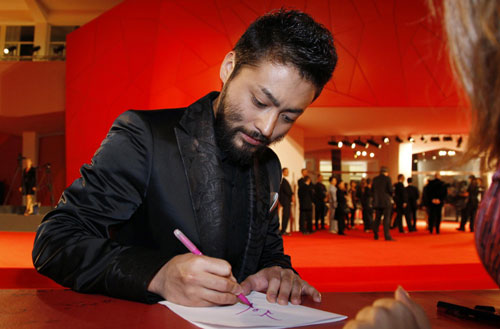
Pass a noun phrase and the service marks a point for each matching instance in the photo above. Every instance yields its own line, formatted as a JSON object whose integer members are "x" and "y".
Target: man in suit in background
{"x": 401, "y": 201}
{"x": 320, "y": 203}
{"x": 413, "y": 195}
{"x": 285, "y": 198}
{"x": 382, "y": 203}
{"x": 435, "y": 195}
{"x": 471, "y": 204}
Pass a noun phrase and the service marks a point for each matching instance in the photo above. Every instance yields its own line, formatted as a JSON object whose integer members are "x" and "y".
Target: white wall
{"x": 291, "y": 154}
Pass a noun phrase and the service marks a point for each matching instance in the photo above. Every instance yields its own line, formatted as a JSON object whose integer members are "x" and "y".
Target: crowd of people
{"x": 377, "y": 201}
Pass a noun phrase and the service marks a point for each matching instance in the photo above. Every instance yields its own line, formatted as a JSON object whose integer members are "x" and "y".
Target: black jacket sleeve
{"x": 73, "y": 244}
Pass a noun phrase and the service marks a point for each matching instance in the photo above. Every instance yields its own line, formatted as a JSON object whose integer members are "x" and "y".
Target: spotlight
{"x": 353, "y": 145}
{"x": 411, "y": 139}
{"x": 358, "y": 153}
{"x": 7, "y": 51}
{"x": 372, "y": 154}
{"x": 442, "y": 153}
{"x": 59, "y": 49}
{"x": 386, "y": 140}
{"x": 363, "y": 153}
{"x": 451, "y": 153}
{"x": 447, "y": 139}
{"x": 399, "y": 140}
{"x": 34, "y": 50}
{"x": 435, "y": 139}
{"x": 372, "y": 142}
{"x": 340, "y": 144}
{"x": 359, "y": 142}
{"x": 459, "y": 141}
{"x": 346, "y": 142}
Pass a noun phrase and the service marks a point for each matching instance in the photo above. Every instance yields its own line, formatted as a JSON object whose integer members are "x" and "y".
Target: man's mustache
{"x": 257, "y": 136}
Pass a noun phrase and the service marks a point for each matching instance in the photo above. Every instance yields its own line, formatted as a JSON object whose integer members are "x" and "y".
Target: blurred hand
{"x": 194, "y": 280}
{"x": 281, "y": 285}
{"x": 388, "y": 313}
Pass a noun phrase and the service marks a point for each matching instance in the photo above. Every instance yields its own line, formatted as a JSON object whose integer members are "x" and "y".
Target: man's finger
{"x": 274, "y": 283}
{"x": 309, "y": 290}
{"x": 286, "y": 285}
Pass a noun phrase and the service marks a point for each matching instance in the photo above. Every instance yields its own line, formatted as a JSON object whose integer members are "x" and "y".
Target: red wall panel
{"x": 165, "y": 53}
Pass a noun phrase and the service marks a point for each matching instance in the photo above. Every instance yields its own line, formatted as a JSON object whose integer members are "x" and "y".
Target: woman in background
{"x": 473, "y": 29}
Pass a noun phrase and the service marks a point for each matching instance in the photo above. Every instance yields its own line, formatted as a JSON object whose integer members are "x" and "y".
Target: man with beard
{"x": 206, "y": 170}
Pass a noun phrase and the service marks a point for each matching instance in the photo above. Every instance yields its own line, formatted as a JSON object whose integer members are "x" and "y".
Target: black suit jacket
{"x": 155, "y": 171}
{"x": 382, "y": 191}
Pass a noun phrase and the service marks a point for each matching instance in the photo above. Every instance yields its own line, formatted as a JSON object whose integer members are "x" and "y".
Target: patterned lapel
{"x": 202, "y": 164}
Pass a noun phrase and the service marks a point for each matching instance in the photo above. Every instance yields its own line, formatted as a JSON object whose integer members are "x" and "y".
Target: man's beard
{"x": 226, "y": 127}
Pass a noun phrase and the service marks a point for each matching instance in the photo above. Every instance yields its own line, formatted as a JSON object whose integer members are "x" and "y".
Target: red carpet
{"x": 356, "y": 262}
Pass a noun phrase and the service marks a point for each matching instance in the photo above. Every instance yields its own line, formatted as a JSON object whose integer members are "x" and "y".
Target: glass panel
{"x": 27, "y": 33}
{"x": 13, "y": 33}
{"x": 58, "y": 33}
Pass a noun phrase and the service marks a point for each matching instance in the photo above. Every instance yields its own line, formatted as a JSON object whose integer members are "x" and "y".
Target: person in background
{"x": 340, "y": 211}
{"x": 413, "y": 196}
{"x": 28, "y": 185}
{"x": 320, "y": 199}
{"x": 332, "y": 203}
{"x": 285, "y": 199}
{"x": 306, "y": 197}
{"x": 352, "y": 201}
{"x": 366, "y": 199}
{"x": 471, "y": 204}
{"x": 382, "y": 203}
{"x": 473, "y": 32}
{"x": 401, "y": 201}
{"x": 435, "y": 195}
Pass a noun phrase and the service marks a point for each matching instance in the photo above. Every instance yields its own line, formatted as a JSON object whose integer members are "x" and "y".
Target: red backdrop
{"x": 159, "y": 53}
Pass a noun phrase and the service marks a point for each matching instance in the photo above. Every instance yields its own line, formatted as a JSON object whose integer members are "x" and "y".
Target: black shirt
{"x": 236, "y": 211}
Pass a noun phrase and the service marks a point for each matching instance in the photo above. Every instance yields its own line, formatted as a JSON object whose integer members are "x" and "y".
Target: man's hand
{"x": 281, "y": 285}
{"x": 388, "y": 313}
{"x": 193, "y": 280}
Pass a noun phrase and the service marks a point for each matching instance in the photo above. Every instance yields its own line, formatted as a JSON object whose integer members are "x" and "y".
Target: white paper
{"x": 262, "y": 315}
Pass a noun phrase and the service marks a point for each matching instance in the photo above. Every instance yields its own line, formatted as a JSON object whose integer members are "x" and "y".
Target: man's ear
{"x": 227, "y": 66}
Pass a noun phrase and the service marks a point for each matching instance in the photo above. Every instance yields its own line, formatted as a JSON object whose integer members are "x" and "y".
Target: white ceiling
{"x": 54, "y": 12}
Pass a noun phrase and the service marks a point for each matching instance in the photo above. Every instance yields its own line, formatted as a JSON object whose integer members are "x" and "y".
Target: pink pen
{"x": 192, "y": 248}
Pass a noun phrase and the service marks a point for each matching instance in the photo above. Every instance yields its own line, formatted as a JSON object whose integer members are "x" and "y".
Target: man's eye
{"x": 257, "y": 103}
{"x": 287, "y": 119}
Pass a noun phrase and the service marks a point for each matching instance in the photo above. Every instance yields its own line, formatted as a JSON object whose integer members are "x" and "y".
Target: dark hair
{"x": 400, "y": 176}
{"x": 409, "y": 180}
{"x": 289, "y": 37}
{"x": 331, "y": 178}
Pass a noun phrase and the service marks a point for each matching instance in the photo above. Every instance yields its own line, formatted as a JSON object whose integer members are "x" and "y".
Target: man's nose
{"x": 266, "y": 122}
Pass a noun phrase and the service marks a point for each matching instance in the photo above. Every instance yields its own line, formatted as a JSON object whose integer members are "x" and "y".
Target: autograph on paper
{"x": 265, "y": 313}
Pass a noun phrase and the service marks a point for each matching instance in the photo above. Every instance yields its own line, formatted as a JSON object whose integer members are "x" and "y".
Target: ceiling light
{"x": 353, "y": 145}
{"x": 372, "y": 154}
{"x": 386, "y": 140}
{"x": 451, "y": 153}
{"x": 340, "y": 144}
{"x": 411, "y": 139}
{"x": 442, "y": 153}
{"x": 358, "y": 153}
{"x": 363, "y": 153}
